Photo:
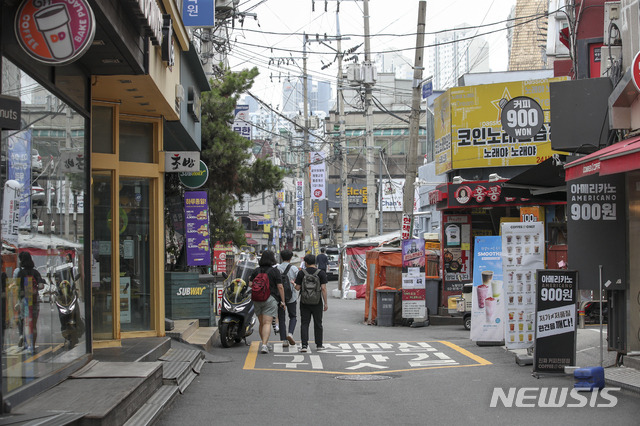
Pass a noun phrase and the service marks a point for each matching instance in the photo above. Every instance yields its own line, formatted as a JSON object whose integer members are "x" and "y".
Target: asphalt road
{"x": 372, "y": 375}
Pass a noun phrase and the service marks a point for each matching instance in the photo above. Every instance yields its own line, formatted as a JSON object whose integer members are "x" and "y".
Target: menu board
{"x": 522, "y": 255}
{"x": 196, "y": 211}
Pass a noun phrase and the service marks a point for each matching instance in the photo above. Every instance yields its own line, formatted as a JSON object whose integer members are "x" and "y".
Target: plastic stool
{"x": 588, "y": 378}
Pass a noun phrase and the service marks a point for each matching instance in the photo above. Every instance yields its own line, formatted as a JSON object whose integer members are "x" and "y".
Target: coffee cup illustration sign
{"x": 55, "y": 32}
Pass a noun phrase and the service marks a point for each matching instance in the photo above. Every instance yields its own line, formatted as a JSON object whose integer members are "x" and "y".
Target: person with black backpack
{"x": 289, "y": 274}
{"x": 311, "y": 282}
{"x": 267, "y": 293}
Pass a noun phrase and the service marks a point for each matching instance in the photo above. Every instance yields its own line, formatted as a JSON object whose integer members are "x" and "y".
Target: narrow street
{"x": 384, "y": 375}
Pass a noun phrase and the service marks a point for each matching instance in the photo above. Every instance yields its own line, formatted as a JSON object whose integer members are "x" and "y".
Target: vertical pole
{"x": 344, "y": 206}
{"x": 601, "y": 329}
{"x": 368, "y": 110}
{"x": 308, "y": 214}
{"x": 380, "y": 193}
{"x": 414, "y": 119}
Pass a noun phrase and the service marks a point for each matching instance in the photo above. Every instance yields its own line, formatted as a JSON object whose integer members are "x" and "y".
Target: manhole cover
{"x": 363, "y": 377}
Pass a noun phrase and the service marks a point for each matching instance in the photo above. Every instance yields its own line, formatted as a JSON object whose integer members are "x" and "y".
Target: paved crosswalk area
{"x": 363, "y": 357}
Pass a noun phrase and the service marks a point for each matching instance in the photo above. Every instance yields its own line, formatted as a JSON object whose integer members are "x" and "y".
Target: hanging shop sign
{"x": 198, "y": 13}
{"x": 150, "y": 16}
{"x": 555, "y": 341}
{"x": 181, "y": 161}
{"x": 241, "y": 122}
{"x": 55, "y": 32}
{"x": 194, "y": 180}
{"x": 167, "y": 52}
{"x": 476, "y": 194}
{"x": 196, "y": 212}
{"x": 392, "y": 195}
{"x": 470, "y": 131}
{"x": 597, "y": 211}
{"x": 72, "y": 161}
{"x": 194, "y": 104}
{"x": 10, "y": 112}
{"x": 356, "y": 193}
{"x": 299, "y": 204}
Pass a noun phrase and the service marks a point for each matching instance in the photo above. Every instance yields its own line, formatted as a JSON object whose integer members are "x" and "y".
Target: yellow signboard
{"x": 477, "y": 138}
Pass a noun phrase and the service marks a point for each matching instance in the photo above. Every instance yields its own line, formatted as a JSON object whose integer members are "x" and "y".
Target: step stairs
{"x": 113, "y": 393}
{"x": 189, "y": 331}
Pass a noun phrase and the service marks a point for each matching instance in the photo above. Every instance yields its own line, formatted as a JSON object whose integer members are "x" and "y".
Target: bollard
{"x": 581, "y": 319}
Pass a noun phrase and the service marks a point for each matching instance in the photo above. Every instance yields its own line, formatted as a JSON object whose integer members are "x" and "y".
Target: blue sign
{"x": 198, "y": 13}
{"x": 19, "y": 153}
{"x": 427, "y": 89}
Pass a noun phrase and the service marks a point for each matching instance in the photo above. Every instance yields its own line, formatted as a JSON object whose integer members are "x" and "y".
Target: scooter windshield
{"x": 236, "y": 291}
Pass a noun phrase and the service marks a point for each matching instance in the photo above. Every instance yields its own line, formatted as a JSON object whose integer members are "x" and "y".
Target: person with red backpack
{"x": 266, "y": 289}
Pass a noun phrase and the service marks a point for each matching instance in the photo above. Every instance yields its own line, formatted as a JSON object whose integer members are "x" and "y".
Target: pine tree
{"x": 227, "y": 155}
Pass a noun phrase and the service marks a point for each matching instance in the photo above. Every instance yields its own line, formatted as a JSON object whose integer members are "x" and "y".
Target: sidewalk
{"x": 626, "y": 376}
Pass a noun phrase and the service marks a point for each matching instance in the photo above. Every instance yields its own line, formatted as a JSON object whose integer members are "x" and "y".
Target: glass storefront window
{"x": 102, "y": 273}
{"x": 136, "y": 141}
{"x": 102, "y": 129}
{"x": 135, "y": 246}
{"x": 44, "y": 185}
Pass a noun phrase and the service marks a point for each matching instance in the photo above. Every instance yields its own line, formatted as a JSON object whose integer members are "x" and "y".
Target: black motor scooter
{"x": 65, "y": 297}
{"x": 237, "y": 313}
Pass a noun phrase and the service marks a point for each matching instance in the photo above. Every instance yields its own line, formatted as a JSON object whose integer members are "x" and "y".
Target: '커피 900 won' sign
{"x": 522, "y": 117}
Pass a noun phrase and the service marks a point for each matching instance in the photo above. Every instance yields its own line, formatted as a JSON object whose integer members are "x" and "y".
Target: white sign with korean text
{"x": 181, "y": 161}
{"x": 317, "y": 176}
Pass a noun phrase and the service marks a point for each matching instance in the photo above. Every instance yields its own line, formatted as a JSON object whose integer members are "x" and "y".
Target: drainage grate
{"x": 364, "y": 377}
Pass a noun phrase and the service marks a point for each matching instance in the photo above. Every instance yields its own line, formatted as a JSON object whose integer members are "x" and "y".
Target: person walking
{"x": 29, "y": 282}
{"x": 322, "y": 260}
{"x": 266, "y": 310}
{"x": 312, "y": 284}
{"x": 289, "y": 274}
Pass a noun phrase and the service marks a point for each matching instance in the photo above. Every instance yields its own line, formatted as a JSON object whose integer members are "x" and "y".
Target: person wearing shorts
{"x": 268, "y": 309}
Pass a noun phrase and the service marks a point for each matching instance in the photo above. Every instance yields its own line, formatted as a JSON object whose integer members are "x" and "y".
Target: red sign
{"x": 406, "y": 227}
{"x": 635, "y": 71}
{"x": 55, "y": 32}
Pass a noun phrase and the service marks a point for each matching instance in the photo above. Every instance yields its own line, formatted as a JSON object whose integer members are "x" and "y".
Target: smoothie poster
{"x": 196, "y": 212}
{"x": 487, "y": 312}
{"x": 522, "y": 255}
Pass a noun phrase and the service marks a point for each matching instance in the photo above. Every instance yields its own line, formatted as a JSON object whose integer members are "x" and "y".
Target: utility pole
{"x": 368, "y": 111}
{"x": 344, "y": 171}
{"x": 414, "y": 119}
{"x": 308, "y": 214}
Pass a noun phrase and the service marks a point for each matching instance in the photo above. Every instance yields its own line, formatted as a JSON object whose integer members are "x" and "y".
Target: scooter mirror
{"x": 224, "y": 275}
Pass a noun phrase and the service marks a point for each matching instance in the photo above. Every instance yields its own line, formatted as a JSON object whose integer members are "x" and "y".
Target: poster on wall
{"x": 196, "y": 211}
{"x": 413, "y": 279}
{"x": 487, "y": 312}
{"x": 457, "y": 251}
{"x": 522, "y": 256}
{"x": 125, "y": 300}
{"x": 555, "y": 336}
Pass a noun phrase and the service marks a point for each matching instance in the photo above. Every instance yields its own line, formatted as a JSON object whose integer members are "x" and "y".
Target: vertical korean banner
{"x": 413, "y": 279}
{"x": 196, "y": 212}
{"x": 299, "y": 204}
{"x": 19, "y": 169}
{"x": 241, "y": 123}
{"x": 555, "y": 340}
{"x": 487, "y": 312}
{"x": 317, "y": 176}
{"x": 522, "y": 255}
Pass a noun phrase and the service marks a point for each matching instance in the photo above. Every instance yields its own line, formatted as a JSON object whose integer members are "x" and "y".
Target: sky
{"x": 276, "y": 34}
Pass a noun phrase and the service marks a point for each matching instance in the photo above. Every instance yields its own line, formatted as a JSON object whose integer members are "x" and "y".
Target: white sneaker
{"x": 264, "y": 349}
{"x": 291, "y": 339}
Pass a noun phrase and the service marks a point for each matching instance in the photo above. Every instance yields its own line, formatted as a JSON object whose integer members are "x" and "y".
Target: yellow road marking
{"x": 250, "y": 360}
{"x": 465, "y": 352}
